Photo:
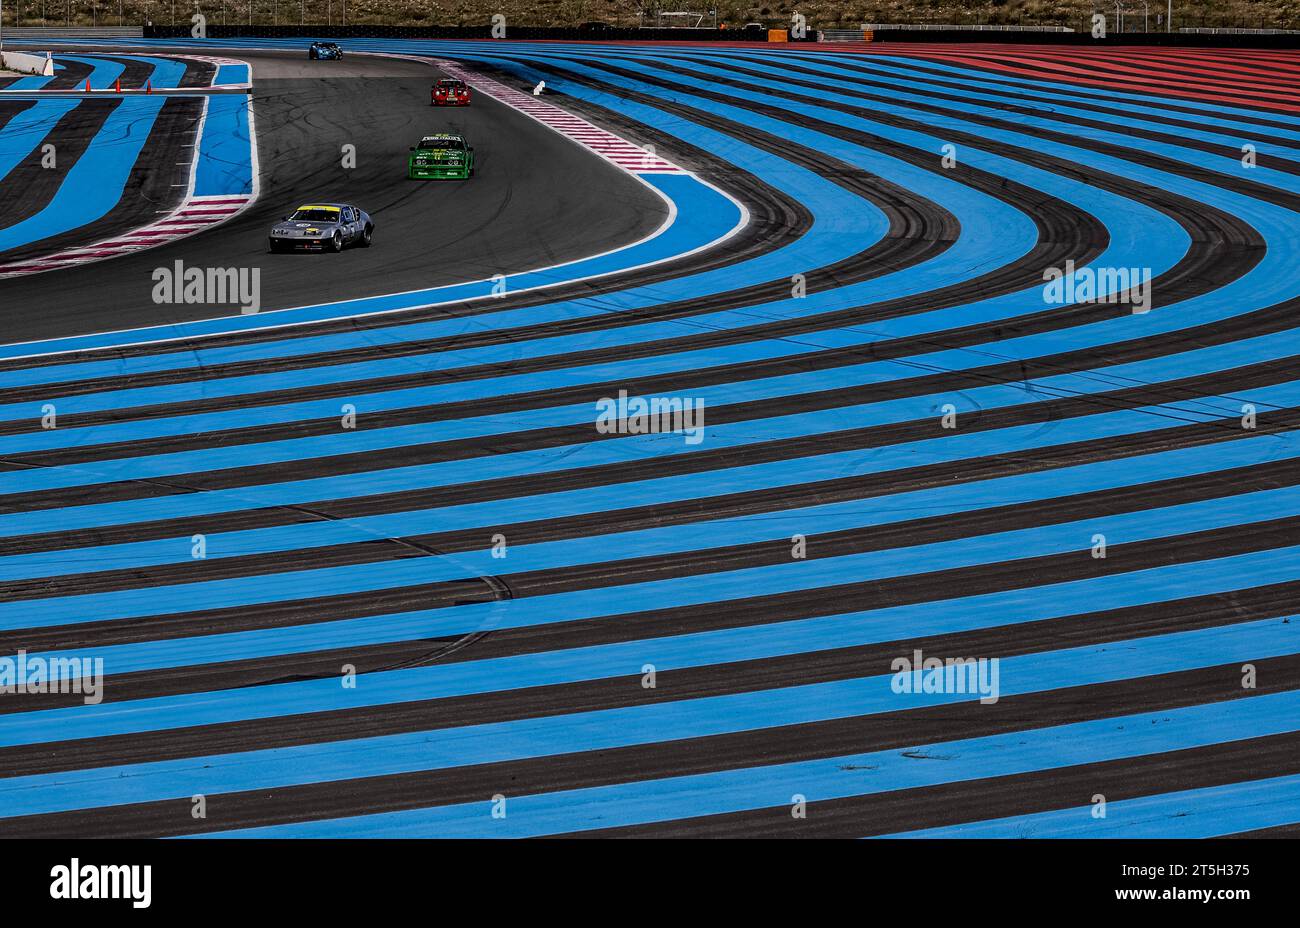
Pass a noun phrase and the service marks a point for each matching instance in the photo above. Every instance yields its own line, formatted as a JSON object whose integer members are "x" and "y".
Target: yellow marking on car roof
{"x": 332, "y": 209}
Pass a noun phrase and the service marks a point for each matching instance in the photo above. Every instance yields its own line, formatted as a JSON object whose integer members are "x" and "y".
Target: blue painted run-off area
{"x": 95, "y": 182}
{"x": 231, "y": 74}
{"x": 226, "y": 149}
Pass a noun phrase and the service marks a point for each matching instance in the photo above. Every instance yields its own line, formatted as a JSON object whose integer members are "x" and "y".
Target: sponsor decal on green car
{"x": 440, "y": 157}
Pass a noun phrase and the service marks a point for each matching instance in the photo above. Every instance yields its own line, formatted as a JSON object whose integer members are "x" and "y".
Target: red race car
{"x": 449, "y": 92}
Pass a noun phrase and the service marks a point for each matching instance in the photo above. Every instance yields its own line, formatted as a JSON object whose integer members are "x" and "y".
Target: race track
{"x": 523, "y": 209}
{"x": 387, "y": 575}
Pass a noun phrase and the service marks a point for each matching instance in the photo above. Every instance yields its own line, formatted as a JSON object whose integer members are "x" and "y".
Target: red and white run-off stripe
{"x": 609, "y": 146}
{"x": 193, "y": 215}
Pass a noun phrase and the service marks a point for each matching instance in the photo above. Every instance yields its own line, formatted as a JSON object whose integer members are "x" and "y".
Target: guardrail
{"x": 845, "y": 35}
{"x": 1204, "y": 30}
{"x": 942, "y": 27}
{"x": 882, "y": 32}
{"x": 74, "y": 32}
{"x": 215, "y": 31}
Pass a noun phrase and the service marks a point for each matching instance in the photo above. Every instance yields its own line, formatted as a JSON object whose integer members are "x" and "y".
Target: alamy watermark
{"x": 921, "y": 674}
{"x": 75, "y": 880}
{"x": 639, "y": 415}
{"x": 1131, "y": 285}
{"x": 23, "y": 675}
{"x": 209, "y": 286}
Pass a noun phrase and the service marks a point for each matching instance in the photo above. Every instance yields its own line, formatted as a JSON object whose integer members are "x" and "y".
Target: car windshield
{"x": 316, "y": 214}
{"x": 455, "y": 144}
{"x": 451, "y": 85}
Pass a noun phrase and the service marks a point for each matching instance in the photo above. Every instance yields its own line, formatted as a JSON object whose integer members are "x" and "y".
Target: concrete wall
{"x": 25, "y": 63}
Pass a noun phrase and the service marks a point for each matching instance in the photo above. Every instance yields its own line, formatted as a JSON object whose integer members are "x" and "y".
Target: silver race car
{"x": 321, "y": 227}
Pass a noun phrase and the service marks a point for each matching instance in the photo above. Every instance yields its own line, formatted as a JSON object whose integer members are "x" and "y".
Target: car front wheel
{"x": 336, "y": 241}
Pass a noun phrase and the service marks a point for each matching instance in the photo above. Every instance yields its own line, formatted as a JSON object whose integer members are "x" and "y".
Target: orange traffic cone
{"x": 87, "y": 85}
{"x": 148, "y": 86}
{"x": 117, "y": 85}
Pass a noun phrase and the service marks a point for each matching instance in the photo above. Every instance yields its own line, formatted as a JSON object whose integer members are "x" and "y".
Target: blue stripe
{"x": 232, "y": 74}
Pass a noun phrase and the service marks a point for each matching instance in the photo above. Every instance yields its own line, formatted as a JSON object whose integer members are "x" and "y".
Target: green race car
{"x": 440, "y": 157}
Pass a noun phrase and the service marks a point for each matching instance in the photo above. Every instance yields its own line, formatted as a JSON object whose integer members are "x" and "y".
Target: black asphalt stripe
{"x": 684, "y": 757}
{"x": 1278, "y": 831}
{"x": 934, "y": 586}
{"x": 898, "y": 481}
{"x": 135, "y": 71}
{"x": 1040, "y": 104}
{"x": 995, "y": 797}
{"x": 72, "y": 76}
{"x": 197, "y": 73}
{"x": 1277, "y": 533}
{"x": 1219, "y": 383}
{"x": 164, "y": 627}
{"x": 150, "y": 189}
{"x": 29, "y": 187}
{"x": 876, "y": 537}
{"x": 1046, "y": 112}
{"x": 11, "y": 108}
{"x": 229, "y": 675}
{"x": 1173, "y": 615}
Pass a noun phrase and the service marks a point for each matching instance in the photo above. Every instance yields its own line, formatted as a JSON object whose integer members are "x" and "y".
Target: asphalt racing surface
{"x": 395, "y": 576}
{"x": 533, "y": 202}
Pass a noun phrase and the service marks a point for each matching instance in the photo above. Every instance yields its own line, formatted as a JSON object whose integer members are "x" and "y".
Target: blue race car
{"x": 324, "y": 51}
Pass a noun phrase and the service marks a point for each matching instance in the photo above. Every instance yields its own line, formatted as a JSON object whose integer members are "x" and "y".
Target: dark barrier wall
{"x": 459, "y": 32}
{"x": 1185, "y": 39}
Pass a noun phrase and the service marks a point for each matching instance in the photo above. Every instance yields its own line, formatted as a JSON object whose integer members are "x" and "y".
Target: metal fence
{"x": 938, "y": 27}
{"x": 843, "y": 35}
{"x": 44, "y": 32}
{"x": 1217, "y": 31}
